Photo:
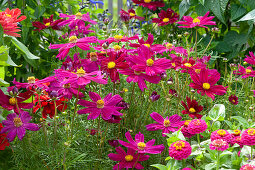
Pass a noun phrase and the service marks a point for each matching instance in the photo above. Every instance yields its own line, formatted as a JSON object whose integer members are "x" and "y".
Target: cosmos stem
{"x": 75, "y": 112}
{"x": 55, "y": 123}
{"x": 136, "y": 161}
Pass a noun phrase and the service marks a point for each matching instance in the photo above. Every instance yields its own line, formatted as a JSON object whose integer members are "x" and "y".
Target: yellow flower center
{"x": 129, "y": 158}
{"x": 169, "y": 45}
{"x": 147, "y": 45}
{"x": 78, "y": 15}
{"x": 118, "y": 37}
{"x": 80, "y": 72}
{"x": 47, "y": 24}
{"x": 17, "y": 122}
{"x": 187, "y": 64}
{"x": 73, "y": 39}
{"x": 251, "y": 132}
{"x": 12, "y": 101}
{"x": 149, "y": 62}
{"x": 111, "y": 65}
{"x": 166, "y": 20}
{"x": 166, "y": 123}
{"x": 192, "y": 110}
{"x": 233, "y": 101}
{"x": 248, "y": 71}
{"x": 237, "y": 132}
{"x": 147, "y": 1}
{"x": 8, "y": 15}
{"x": 173, "y": 64}
{"x": 67, "y": 86}
{"x": 179, "y": 145}
{"x": 93, "y": 56}
{"x": 197, "y": 123}
{"x": 131, "y": 14}
{"x": 100, "y": 104}
{"x": 222, "y": 133}
{"x": 141, "y": 145}
{"x": 137, "y": 72}
{"x": 116, "y": 47}
{"x": 206, "y": 86}
{"x": 196, "y": 20}
{"x": 76, "y": 27}
{"x": 186, "y": 123}
{"x": 125, "y": 90}
{"x": 31, "y": 80}
{"x": 197, "y": 71}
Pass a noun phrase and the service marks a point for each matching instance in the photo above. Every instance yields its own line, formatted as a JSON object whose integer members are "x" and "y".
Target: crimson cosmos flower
{"x": 131, "y": 14}
{"x": 245, "y": 72}
{"x": 233, "y": 99}
{"x": 127, "y": 160}
{"x": 152, "y": 5}
{"x": 205, "y": 83}
{"x": 139, "y": 145}
{"x": 192, "y": 108}
{"x": 197, "y": 22}
{"x": 47, "y": 23}
{"x": 250, "y": 59}
{"x": 166, "y": 17}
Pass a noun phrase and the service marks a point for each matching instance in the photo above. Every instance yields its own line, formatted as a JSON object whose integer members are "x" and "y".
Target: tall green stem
{"x": 218, "y": 160}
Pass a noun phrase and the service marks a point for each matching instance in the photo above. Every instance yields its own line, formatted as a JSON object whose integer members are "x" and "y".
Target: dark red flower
{"x": 3, "y": 141}
{"x": 126, "y": 16}
{"x": 152, "y": 5}
{"x": 166, "y": 17}
{"x": 233, "y": 99}
{"x": 47, "y": 23}
{"x": 192, "y": 108}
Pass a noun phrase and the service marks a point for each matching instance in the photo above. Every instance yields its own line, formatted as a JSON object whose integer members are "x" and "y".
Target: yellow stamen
{"x": 173, "y": 64}
{"x": 251, "y": 132}
{"x": 93, "y": 56}
{"x": 187, "y": 64}
{"x": 131, "y": 14}
{"x": 147, "y": 1}
{"x": 196, "y": 20}
{"x": 179, "y": 145}
{"x": 80, "y": 72}
{"x": 166, "y": 20}
{"x": 197, "y": 71}
{"x": 73, "y": 39}
{"x": 67, "y": 86}
{"x": 237, "y": 132}
{"x": 186, "y": 123}
{"x": 118, "y": 37}
{"x": 222, "y": 133}
{"x": 17, "y": 122}
{"x": 78, "y": 15}
{"x": 141, "y": 145}
{"x": 149, "y": 62}
{"x": 197, "y": 123}
{"x": 117, "y": 47}
{"x": 248, "y": 71}
{"x": 129, "y": 158}
{"x": 31, "y": 80}
{"x": 137, "y": 72}
{"x": 111, "y": 65}
{"x": 12, "y": 101}
{"x": 166, "y": 123}
{"x": 47, "y": 24}
{"x": 8, "y": 15}
{"x": 206, "y": 86}
{"x": 192, "y": 110}
{"x": 169, "y": 45}
{"x": 100, "y": 104}
{"x": 147, "y": 45}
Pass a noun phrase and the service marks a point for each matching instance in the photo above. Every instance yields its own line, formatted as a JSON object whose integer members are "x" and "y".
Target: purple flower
{"x": 17, "y": 125}
{"x": 106, "y": 107}
{"x": 139, "y": 145}
{"x": 166, "y": 125}
{"x": 154, "y": 96}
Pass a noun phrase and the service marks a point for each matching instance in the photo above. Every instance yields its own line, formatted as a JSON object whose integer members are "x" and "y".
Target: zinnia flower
{"x": 169, "y": 124}
{"x": 152, "y": 5}
{"x": 233, "y": 99}
{"x": 248, "y": 137}
{"x": 139, "y": 145}
{"x": 200, "y": 21}
{"x": 16, "y": 125}
{"x": 219, "y": 145}
{"x": 166, "y": 17}
{"x": 3, "y": 140}
{"x": 127, "y": 160}
{"x": 197, "y": 126}
{"x": 204, "y": 82}
{"x": 250, "y": 59}
{"x": 105, "y": 107}
{"x": 180, "y": 150}
{"x": 192, "y": 108}
{"x": 247, "y": 167}
{"x": 47, "y": 23}
{"x": 185, "y": 129}
{"x": 221, "y": 134}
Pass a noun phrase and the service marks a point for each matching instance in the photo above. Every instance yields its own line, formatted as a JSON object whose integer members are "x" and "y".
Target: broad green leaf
{"x": 3, "y": 53}
{"x": 241, "y": 120}
{"x": 10, "y": 62}
{"x": 217, "y": 7}
{"x": 210, "y": 166}
{"x": 202, "y": 2}
{"x": 23, "y": 48}
{"x": 4, "y": 83}
{"x": 139, "y": 11}
{"x": 183, "y": 7}
{"x": 237, "y": 11}
{"x": 39, "y": 10}
{"x": 2, "y": 72}
{"x": 159, "y": 166}
{"x": 249, "y": 16}
{"x": 217, "y": 112}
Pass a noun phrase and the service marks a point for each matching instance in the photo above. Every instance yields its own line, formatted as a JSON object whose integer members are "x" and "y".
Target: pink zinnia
{"x": 185, "y": 129}
{"x": 248, "y": 137}
{"x": 139, "y": 145}
{"x": 250, "y": 59}
{"x": 247, "y": 167}
{"x": 219, "y": 145}
{"x": 197, "y": 126}
{"x": 221, "y": 134}
{"x": 205, "y": 82}
{"x": 169, "y": 124}
{"x": 105, "y": 107}
{"x": 245, "y": 72}
{"x": 127, "y": 160}
{"x": 166, "y": 17}
{"x": 180, "y": 150}
{"x": 197, "y": 22}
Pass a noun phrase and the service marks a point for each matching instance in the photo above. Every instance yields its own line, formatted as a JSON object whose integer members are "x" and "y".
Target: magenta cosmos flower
{"x": 180, "y": 150}
{"x": 166, "y": 17}
{"x": 233, "y": 99}
{"x": 247, "y": 167}
{"x": 105, "y": 107}
{"x": 219, "y": 145}
{"x": 205, "y": 82}
{"x": 192, "y": 108}
{"x": 127, "y": 160}
{"x": 82, "y": 43}
{"x": 221, "y": 134}
{"x": 197, "y": 126}
{"x": 245, "y": 72}
{"x": 16, "y": 125}
{"x": 248, "y": 137}
{"x": 47, "y": 23}
{"x": 139, "y": 145}
{"x": 169, "y": 124}
{"x": 152, "y": 5}
{"x": 200, "y": 21}
{"x": 33, "y": 83}
{"x": 250, "y": 59}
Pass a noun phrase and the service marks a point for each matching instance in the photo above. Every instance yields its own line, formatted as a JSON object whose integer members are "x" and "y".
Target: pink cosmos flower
{"x": 76, "y": 20}
{"x": 16, "y": 125}
{"x": 250, "y": 59}
{"x": 118, "y": 38}
{"x": 200, "y": 21}
{"x": 192, "y": 108}
{"x": 180, "y": 150}
{"x": 205, "y": 83}
{"x": 245, "y": 72}
{"x": 185, "y": 129}
{"x": 248, "y": 137}
{"x": 82, "y": 43}
{"x": 197, "y": 126}
{"x": 152, "y": 5}
{"x": 139, "y": 145}
{"x": 221, "y": 134}
{"x": 219, "y": 145}
{"x": 127, "y": 160}
{"x": 169, "y": 124}
{"x": 33, "y": 83}
{"x": 166, "y": 17}
{"x": 105, "y": 107}
{"x": 247, "y": 167}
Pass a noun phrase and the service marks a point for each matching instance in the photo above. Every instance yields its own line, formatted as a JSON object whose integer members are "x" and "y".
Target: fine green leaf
{"x": 159, "y": 166}
{"x": 249, "y": 16}
{"x": 241, "y": 120}
{"x": 217, "y": 112}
